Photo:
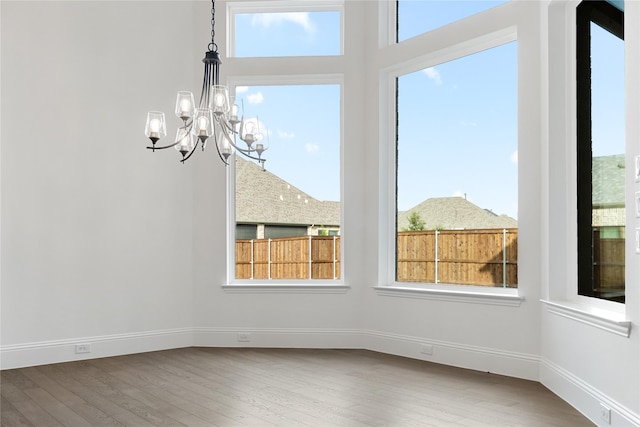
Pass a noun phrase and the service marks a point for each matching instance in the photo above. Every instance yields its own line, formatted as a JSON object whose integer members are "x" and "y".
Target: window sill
{"x": 284, "y": 288}
{"x": 492, "y": 297}
{"x": 602, "y": 319}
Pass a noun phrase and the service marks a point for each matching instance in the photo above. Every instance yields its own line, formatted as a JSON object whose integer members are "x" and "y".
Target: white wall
{"x": 104, "y": 242}
{"x": 96, "y": 230}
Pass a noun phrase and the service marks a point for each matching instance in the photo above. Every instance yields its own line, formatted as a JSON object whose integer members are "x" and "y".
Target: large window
{"x": 457, "y": 171}
{"x": 293, "y": 205}
{"x": 601, "y": 150}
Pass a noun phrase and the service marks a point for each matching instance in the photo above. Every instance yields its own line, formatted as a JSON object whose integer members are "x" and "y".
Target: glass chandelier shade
{"x": 156, "y": 126}
{"x": 213, "y": 117}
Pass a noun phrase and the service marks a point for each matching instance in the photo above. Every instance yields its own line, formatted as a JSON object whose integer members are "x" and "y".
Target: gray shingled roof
{"x": 264, "y": 198}
{"x": 455, "y": 213}
{"x": 608, "y": 181}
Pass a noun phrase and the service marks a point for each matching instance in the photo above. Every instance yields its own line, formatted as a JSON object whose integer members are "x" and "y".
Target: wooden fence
{"x": 468, "y": 257}
{"x": 608, "y": 264}
{"x": 305, "y": 257}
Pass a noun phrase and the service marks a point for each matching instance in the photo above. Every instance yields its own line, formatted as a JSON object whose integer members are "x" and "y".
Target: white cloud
{"x": 255, "y": 98}
{"x": 458, "y": 193}
{"x": 514, "y": 157}
{"x": 433, "y": 74}
{"x": 242, "y": 89}
{"x": 285, "y": 135}
{"x": 266, "y": 20}
{"x": 311, "y": 148}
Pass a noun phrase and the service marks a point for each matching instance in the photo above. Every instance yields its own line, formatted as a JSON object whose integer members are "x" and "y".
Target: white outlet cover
{"x": 637, "y": 242}
{"x": 637, "y": 168}
{"x": 637, "y": 194}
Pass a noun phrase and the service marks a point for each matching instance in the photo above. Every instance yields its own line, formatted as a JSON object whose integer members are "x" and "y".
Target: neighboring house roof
{"x": 607, "y": 178}
{"x": 455, "y": 213}
{"x": 264, "y": 198}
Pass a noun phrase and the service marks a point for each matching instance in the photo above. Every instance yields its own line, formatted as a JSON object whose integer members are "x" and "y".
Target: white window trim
{"x": 387, "y": 285}
{"x": 276, "y": 285}
{"x": 283, "y": 288}
{"x": 278, "y": 6}
{"x": 562, "y": 247}
{"x": 588, "y": 314}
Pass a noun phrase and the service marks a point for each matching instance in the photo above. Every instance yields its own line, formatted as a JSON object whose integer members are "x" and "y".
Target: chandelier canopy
{"x": 215, "y": 117}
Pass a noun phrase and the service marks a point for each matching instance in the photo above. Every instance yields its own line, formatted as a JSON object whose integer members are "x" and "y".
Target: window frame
{"x": 611, "y": 19}
{"x": 270, "y": 6}
{"x": 387, "y": 284}
{"x": 560, "y": 291}
{"x": 280, "y": 285}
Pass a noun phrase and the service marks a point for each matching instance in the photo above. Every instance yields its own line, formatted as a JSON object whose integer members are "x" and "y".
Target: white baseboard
{"x": 465, "y": 356}
{"x": 518, "y": 365}
{"x": 478, "y": 358}
{"x": 41, "y": 353}
{"x": 584, "y": 397}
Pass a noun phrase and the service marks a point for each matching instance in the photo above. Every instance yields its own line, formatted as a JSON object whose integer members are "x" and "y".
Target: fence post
{"x": 504, "y": 257}
{"x": 436, "y": 246}
{"x": 334, "y": 257}
{"x": 252, "y": 263}
{"x": 269, "y": 258}
{"x": 310, "y": 258}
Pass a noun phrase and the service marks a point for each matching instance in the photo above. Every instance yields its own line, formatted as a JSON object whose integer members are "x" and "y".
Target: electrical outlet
{"x": 244, "y": 337}
{"x": 83, "y": 348}
{"x": 605, "y": 413}
{"x": 426, "y": 349}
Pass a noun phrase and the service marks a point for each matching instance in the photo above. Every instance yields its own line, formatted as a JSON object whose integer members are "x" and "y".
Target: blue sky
{"x": 458, "y": 120}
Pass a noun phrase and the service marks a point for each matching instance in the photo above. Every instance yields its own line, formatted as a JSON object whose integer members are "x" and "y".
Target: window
{"x": 457, "y": 172}
{"x": 600, "y": 149}
{"x": 299, "y": 192}
{"x": 289, "y": 32}
{"x": 416, "y": 17}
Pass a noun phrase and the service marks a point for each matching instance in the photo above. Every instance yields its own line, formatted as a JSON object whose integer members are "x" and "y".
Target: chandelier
{"x": 215, "y": 117}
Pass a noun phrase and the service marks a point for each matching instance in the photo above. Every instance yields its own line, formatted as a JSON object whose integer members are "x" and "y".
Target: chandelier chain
{"x": 213, "y": 46}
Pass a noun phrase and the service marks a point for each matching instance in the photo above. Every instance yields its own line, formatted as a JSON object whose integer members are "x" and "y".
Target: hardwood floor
{"x": 264, "y": 387}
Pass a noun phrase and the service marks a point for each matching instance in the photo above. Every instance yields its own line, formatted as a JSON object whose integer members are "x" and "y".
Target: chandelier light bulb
{"x": 233, "y": 115}
{"x": 185, "y": 105}
{"x": 155, "y": 127}
{"x": 226, "y": 148}
{"x": 220, "y": 99}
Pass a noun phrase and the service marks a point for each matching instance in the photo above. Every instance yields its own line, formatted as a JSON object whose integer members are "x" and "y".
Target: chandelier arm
{"x": 156, "y": 147}
{"x": 247, "y": 154}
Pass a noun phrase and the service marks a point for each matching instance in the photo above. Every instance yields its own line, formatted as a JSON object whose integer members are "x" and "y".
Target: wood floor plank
{"x": 29, "y": 409}
{"x": 14, "y": 419}
{"x": 228, "y": 387}
{"x": 60, "y": 374}
{"x": 76, "y": 403}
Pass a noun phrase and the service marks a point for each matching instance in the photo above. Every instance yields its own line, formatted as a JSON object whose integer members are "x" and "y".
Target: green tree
{"x": 416, "y": 223}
